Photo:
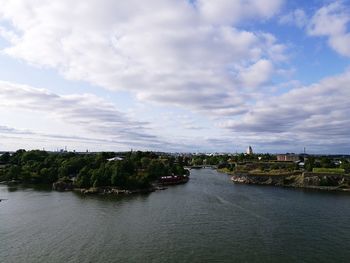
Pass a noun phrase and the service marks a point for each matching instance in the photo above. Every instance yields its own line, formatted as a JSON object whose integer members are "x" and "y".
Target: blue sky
{"x": 175, "y": 75}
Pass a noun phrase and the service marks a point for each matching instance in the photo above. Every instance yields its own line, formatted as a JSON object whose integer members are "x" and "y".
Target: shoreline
{"x": 103, "y": 190}
{"x": 297, "y": 180}
{"x": 112, "y": 191}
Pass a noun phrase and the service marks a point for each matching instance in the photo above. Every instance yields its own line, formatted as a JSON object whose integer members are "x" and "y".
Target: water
{"x": 209, "y": 219}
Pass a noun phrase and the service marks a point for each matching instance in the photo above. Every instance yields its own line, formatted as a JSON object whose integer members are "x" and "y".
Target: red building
{"x": 289, "y": 157}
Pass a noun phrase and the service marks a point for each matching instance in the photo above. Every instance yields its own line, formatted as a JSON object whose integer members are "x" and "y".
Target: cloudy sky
{"x": 175, "y": 75}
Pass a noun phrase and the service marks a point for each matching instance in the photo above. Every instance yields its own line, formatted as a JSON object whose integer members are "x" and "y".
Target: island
{"x": 93, "y": 173}
{"x": 321, "y": 172}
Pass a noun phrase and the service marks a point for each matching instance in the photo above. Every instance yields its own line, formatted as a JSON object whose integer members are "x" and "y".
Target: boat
{"x": 173, "y": 179}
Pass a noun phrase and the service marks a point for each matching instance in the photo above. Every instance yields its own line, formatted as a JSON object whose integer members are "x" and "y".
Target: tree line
{"x": 135, "y": 170}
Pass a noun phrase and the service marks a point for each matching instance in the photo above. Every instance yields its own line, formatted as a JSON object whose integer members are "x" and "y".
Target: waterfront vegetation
{"x": 138, "y": 170}
{"x": 132, "y": 170}
{"x": 313, "y": 172}
{"x": 267, "y": 164}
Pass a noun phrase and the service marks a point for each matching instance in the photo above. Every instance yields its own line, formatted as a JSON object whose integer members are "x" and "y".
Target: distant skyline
{"x": 175, "y": 75}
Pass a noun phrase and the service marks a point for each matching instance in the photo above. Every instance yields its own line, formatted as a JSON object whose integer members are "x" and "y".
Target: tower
{"x": 249, "y": 150}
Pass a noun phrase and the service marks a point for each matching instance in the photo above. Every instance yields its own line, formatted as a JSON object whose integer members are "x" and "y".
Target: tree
{"x": 326, "y": 162}
{"x": 145, "y": 161}
{"x": 35, "y": 155}
{"x": 63, "y": 171}
{"x": 157, "y": 169}
{"x": 84, "y": 178}
{"x": 137, "y": 169}
{"x": 309, "y": 163}
{"x": 345, "y": 165}
{"x": 122, "y": 172}
{"x": 14, "y": 172}
{"x": 5, "y": 158}
{"x": 178, "y": 170}
{"x": 197, "y": 161}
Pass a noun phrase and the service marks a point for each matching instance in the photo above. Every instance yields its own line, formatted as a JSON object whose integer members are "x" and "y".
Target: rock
{"x": 312, "y": 180}
{"x": 328, "y": 182}
{"x": 89, "y": 191}
{"x": 62, "y": 186}
{"x": 112, "y": 191}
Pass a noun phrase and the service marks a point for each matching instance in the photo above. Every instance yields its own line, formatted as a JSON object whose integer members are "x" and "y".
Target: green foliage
{"x": 309, "y": 163}
{"x": 13, "y": 172}
{"x": 197, "y": 161}
{"x": 145, "y": 161}
{"x": 288, "y": 166}
{"x": 326, "y": 162}
{"x": 5, "y": 158}
{"x": 157, "y": 168}
{"x": 275, "y": 166}
{"x": 135, "y": 170}
{"x": 345, "y": 165}
{"x": 83, "y": 178}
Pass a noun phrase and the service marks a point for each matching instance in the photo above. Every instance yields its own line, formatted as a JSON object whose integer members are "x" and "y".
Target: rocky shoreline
{"x": 64, "y": 186}
{"x": 68, "y": 185}
{"x": 318, "y": 181}
{"x": 112, "y": 191}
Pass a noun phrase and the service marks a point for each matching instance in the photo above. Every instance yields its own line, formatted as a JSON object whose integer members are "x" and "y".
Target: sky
{"x": 175, "y": 75}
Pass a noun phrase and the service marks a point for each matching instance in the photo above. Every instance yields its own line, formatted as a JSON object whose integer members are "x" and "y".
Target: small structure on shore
{"x": 115, "y": 159}
{"x": 173, "y": 179}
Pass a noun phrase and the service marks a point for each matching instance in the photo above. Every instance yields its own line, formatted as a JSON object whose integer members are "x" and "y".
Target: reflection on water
{"x": 16, "y": 187}
{"x": 112, "y": 198}
{"x": 209, "y": 219}
{"x": 12, "y": 188}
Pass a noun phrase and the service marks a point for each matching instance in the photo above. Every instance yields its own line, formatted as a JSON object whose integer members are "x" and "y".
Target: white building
{"x": 249, "y": 150}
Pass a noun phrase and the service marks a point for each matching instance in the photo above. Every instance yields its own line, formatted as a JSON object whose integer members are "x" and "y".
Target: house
{"x": 115, "y": 159}
{"x": 288, "y": 157}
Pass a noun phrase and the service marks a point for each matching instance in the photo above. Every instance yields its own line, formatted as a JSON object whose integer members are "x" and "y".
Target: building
{"x": 249, "y": 150}
{"x": 115, "y": 159}
{"x": 288, "y": 157}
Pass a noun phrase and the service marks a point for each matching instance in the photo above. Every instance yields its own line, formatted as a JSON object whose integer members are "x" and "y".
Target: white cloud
{"x": 231, "y": 12}
{"x": 8, "y": 35}
{"x": 97, "y": 118}
{"x": 193, "y": 56}
{"x": 297, "y": 17}
{"x": 315, "y": 115}
{"x": 163, "y": 51}
{"x": 331, "y": 21}
{"x": 257, "y": 74}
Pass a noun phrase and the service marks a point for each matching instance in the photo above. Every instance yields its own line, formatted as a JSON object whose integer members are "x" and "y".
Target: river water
{"x": 209, "y": 219}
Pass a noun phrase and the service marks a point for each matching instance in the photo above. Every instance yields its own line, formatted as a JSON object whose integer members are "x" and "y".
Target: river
{"x": 209, "y": 219}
